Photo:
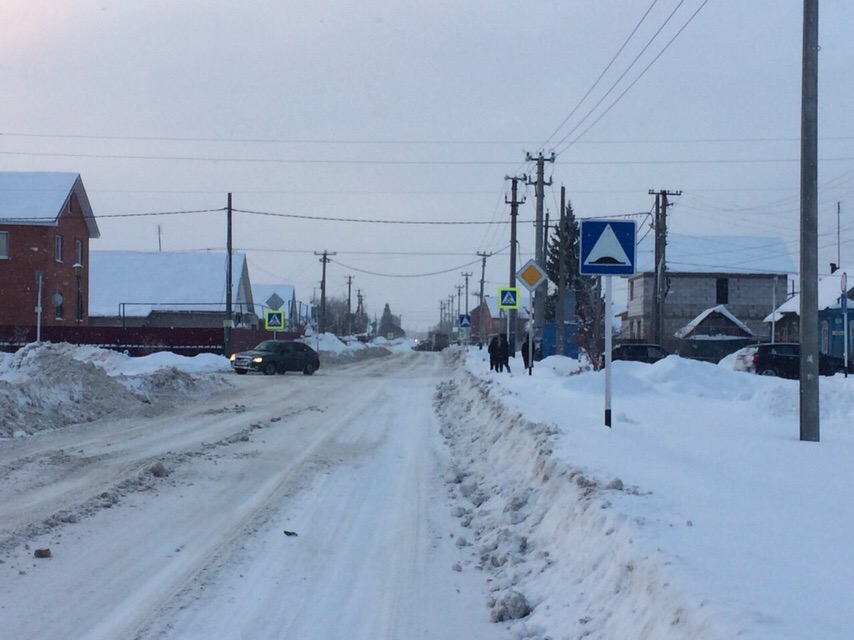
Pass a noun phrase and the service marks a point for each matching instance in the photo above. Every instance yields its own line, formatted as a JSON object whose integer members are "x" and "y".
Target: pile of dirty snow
{"x": 48, "y": 386}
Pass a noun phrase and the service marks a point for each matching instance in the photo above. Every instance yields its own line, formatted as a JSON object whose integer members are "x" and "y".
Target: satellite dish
{"x": 56, "y": 299}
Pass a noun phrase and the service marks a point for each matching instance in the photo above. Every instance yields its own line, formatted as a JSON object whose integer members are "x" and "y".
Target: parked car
{"x": 639, "y": 352}
{"x": 277, "y": 356}
{"x": 423, "y": 345}
{"x": 782, "y": 359}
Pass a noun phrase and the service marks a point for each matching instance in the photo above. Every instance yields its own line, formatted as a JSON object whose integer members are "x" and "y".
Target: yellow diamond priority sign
{"x": 531, "y": 275}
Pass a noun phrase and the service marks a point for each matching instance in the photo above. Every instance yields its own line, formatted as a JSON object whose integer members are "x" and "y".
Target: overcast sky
{"x": 415, "y": 112}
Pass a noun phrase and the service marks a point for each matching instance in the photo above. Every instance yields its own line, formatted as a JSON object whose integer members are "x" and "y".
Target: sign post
{"x": 531, "y": 275}
{"x": 844, "y": 304}
{"x": 607, "y": 248}
{"x": 508, "y": 298}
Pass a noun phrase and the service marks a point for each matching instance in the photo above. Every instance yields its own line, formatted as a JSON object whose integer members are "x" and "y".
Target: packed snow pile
{"x": 47, "y": 386}
{"x": 334, "y": 351}
{"x": 687, "y": 519}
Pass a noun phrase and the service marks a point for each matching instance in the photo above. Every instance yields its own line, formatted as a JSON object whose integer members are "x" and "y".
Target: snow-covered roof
{"x": 829, "y": 291}
{"x": 722, "y": 310}
{"x": 718, "y": 254}
{"x": 142, "y": 282}
{"x": 262, "y": 292}
{"x": 38, "y": 198}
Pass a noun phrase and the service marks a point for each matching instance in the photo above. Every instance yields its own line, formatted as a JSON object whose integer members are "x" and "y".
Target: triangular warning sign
{"x": 607, "y": 250}
{"x": 508, "y": 299}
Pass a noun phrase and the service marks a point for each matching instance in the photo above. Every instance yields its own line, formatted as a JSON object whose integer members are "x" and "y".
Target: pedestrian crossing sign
{"x": 508, "y": 298}
{"x": 274, "y": 320}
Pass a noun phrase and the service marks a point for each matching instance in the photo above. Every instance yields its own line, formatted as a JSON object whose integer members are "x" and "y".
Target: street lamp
{"x": 78, "y": 272}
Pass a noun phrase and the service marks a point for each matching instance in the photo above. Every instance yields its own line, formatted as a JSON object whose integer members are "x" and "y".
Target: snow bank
{"x": 48, "y": 386}
{"x": 686, "y": 519}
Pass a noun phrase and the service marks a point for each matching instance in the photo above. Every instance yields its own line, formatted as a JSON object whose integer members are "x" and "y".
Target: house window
{"x": 78, "y": 252}
{"x": 721, "y": 291}
{"x": 59, "y": 312}
{"x": 4, "y": 244}
{"x": 57, "y": 250}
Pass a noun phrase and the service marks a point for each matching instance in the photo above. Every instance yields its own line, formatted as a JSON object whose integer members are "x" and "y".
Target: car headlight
{"x": 258, "y": 360}
{"x": 232, "y": 358}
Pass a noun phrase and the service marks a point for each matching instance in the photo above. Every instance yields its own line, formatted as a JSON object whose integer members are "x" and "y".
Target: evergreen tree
{"x": 589, "y": 307}
{"x": 387, "y": 324}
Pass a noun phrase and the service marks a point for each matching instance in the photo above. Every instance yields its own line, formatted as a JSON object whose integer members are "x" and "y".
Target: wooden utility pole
{"x": 481, "y": 327}
{"x": 539, "y": 256}
{"x": 229, "y": 315}
{"x": 325, "y": 260}
{"x": 514, "y": 203}
{"x": 349, "y": 305}
{"x": 660, "y": 274}
{"x": 560, "y": 312}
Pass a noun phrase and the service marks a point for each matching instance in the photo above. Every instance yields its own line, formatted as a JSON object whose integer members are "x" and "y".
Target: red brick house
{"x": 46, "y": 223}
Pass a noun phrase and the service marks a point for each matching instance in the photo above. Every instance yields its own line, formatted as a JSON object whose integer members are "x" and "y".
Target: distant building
{"x": 786, "y": 318}
{"x": 745, "y": 274}
{"x": 46, "y": 223}
{"x": 168, "y": 289}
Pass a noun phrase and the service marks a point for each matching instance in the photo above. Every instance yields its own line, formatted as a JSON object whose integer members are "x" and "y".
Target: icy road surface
{"x": 351, "y": 460}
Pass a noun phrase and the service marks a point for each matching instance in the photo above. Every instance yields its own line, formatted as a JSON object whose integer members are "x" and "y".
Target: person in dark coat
{"x": 503, "y": 354}
{"x": 525, "y": 351}
{"x": 493, "y": 353}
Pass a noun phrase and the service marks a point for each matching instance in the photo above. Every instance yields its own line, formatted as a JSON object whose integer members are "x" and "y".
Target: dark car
{"x": 277, "y": 356}
{"x": 782, "y": 359}
{"x": 639, "y": 352}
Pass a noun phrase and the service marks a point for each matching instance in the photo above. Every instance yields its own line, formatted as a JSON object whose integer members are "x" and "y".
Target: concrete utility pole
{"x": 514, "y": 203}
{"x": 325, "y": 260}
{"x": 539, "y": 256}
{"x": 481, "y": 326}
{"x": 660, "y": 274}
{"x": 229, "y": 316}
{"x": 809, "y": 411}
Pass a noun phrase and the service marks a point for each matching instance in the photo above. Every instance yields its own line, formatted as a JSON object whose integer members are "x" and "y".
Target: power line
{"x": 409, "y": 275}
{"x": 374, "y": 221}
{"x": 601, "y": 75}
{"x": 642, "y": 73}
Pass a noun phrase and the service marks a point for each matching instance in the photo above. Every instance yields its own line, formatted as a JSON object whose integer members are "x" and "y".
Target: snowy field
{"x": 495, "y": 505}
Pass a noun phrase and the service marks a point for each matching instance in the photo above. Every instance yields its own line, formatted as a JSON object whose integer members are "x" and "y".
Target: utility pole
{"x": 660, "y": 275}
{"x": 360, "y": 310}
{"x": 514, "y": 203}
{"x": 560, "y": 314}
{"x": 229, "y": 316}
{"x": 540, "y": 183}
{"x": 809, "y": 398}
{"x": 481, "y": 327}
{"x": 325, "y": 260}
{"x": 349, "y": 300}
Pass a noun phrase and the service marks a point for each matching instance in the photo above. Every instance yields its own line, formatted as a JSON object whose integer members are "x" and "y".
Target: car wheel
{"x": 309, "y": 369}
{"x": 768, "y": 371}
{"x": 269, "y": 368}
{"x": 240, "y": 372}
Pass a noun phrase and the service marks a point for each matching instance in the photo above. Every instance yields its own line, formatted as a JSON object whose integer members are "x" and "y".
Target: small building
{"x": 785, "y": 320}
{"x": 46, "y": 223}
{"x": 713, "y": 334}
{"x": 747, "y": 274}
{"x": 168, "y": 289}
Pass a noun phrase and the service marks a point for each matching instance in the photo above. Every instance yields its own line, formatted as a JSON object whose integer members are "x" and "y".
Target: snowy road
{"x": 349, "y": 459}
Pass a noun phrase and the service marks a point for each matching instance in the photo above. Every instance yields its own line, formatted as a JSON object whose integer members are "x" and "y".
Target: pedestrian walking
{"x": 526, "y": 345}
{"x": 492, "y": 349}
{"x": 503, "y": 353}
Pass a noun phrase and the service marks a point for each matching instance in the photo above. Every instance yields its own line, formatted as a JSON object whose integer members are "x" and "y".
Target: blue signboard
{"x": 608, "y": 248}
{"x": 465, "y": 320}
